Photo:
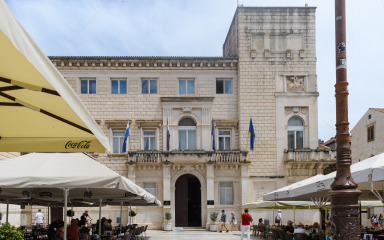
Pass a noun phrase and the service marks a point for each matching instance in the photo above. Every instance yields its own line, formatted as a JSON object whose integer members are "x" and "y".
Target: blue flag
{"x": 251, "y": 134}
{"x": 213, "y": 136}
{"x": 125, "y": 139}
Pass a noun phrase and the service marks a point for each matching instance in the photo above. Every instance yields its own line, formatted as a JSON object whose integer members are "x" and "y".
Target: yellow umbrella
{"x": 39, "y": 111}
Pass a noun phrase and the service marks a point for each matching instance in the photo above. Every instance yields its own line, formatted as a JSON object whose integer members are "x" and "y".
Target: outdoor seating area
{"x": 131, "y": 231}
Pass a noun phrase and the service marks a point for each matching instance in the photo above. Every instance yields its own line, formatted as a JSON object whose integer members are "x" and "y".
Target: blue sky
{"x": 199, "y": 28}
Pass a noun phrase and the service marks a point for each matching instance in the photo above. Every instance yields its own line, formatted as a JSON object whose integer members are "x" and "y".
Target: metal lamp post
{"x": 344, "y": 194}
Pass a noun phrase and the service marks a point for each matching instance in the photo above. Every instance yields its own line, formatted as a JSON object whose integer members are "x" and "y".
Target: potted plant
{"x": 132, "y": 214}
{"x": 7, "y": 231}
{"x": 167, "y": 226}
{"x": 213, "y": 217}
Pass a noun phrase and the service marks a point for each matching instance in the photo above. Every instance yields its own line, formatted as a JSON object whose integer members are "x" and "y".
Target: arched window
{"x": 295, "y": 133}
{"x": 187, "y": 134}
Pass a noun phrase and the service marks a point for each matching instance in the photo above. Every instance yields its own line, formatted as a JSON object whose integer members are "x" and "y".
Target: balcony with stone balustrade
{"x": 313, "y": 160}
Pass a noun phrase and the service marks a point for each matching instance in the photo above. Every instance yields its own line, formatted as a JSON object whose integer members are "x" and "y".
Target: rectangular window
{"x": 371, "y": 133}
{"x": 226, "y": 193}
{"x": 148, "y": 86}
{"x": 118, "y": 141}
{"x": 149, "y": 140}
{"x": 186, "y": 86}
{"x": 118, "y": 86}
{"x": 223, "y": 86}
{"x": 88, "y": 86}
{"x": 150, "y": 187}
{"x": 224, "y": 139}
{"x": 187, "y": 139}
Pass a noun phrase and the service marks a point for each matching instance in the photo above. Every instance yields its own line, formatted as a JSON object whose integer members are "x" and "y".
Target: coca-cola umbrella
{"x": 74, "y": 179}
{"x": 39, "y": 111}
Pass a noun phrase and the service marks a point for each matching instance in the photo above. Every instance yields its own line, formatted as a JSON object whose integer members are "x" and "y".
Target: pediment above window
{"x": 149, "y": 123}
{"x": 117, "y": 123}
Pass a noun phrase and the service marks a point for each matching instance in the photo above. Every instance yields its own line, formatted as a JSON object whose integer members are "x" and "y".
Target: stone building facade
{"x": 367, "y": 140}
{"x": 267, "y": 73}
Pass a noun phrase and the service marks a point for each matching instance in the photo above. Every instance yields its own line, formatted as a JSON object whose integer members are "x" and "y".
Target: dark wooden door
{"x": 57, "y": 213}
{"x": 181, "y": 201}
{"x": 188, "y": 201}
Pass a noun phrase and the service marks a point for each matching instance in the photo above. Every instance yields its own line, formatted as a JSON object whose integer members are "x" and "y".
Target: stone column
{"x": 244, "y": 183}
{"x": 210, "y": 191}
{"x": 167, "y": 191}
{"x": 132, "y": 172}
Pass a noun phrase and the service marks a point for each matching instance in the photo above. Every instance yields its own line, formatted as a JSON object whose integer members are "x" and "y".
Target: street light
{"x": 344, "y": 194}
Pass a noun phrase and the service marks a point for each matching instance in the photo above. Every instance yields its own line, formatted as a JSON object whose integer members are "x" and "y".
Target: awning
{"x": 39, "y": 111}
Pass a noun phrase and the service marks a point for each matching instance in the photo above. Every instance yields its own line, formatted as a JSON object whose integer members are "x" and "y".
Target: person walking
{"x": 246, "y": 220}
{"x": 223, "y": 219}
{"x": 233, "y": 222}
{"x": 381, "y": 220}
{"x": 39, "y": 219}
{"x": 278, "y": 218}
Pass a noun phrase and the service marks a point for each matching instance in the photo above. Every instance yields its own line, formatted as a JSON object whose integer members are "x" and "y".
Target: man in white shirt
{"x": 300, "y": 229}
{"x": 39, "y": 219}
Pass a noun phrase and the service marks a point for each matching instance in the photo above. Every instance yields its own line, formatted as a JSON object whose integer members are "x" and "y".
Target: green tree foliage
{"x": 10, "y": 232}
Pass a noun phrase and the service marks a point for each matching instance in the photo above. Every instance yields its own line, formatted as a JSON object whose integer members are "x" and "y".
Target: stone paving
{"x": 194, "y": 235}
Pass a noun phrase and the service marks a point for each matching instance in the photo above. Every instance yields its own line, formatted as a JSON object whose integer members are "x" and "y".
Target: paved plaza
{"x": 194, "y": 234}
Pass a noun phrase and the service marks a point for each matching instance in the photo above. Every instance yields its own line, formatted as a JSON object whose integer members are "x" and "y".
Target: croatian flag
{"x": 168, "y": 135}
{"x": 251, "y": 134}
{"x": 213, "y": 136}
{"x": 125, "y": 139}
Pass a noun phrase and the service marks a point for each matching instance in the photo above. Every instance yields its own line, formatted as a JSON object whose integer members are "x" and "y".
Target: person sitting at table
{"x": 328, "y": 234}
{"x": 104, "y": 225}
{"x": 73, "y": 231}
{"x": 53, "y": 228}
{"x": 82, "y": 221}
{"x": 316, "y": 231}
{"x": 300, "y": 229}
{"x": 289, "y": 229}
{"x": 261, "y": 228}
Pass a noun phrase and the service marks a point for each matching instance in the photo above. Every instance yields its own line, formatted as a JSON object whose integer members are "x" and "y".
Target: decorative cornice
{"x": 149, "y": 123}
{"x": 144, "y": 62}
{"x": 187, "y": 99}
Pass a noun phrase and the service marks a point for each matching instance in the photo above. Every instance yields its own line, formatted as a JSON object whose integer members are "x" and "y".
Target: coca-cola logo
{"x": 78, "y": 145}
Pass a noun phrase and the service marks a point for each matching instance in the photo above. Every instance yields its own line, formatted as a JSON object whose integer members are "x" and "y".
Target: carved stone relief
{"x": 295, "y": 83}
{"x": 296, "y": 110}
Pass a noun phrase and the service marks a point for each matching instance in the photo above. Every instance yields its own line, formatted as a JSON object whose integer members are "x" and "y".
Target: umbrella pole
{"x": 121, "y": 214}
{"x": 294, "y": 214}
{"x": 6, "y": 219}
{"x": 273, "y": 215}
{"x": 65, "y": 212}
{"x": 100, "y": 201}
{"x": 130, "y": 217}
{"x": 48, "y": 214}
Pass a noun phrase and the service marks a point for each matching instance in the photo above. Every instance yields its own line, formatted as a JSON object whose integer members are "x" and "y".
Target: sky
{"x": 199, "y": 28}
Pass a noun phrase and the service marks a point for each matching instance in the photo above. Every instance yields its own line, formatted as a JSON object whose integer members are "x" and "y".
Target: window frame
{"x": 148, "y": 188}
{"x": 296, "y": 130}
{"x": 224, "y": 84}
{"x": 224, "y": 201}
{"x": 88, "y": 85}
{"x": 119, "y": 85}
{"x": 120, "y": 137}
{"x": 144, "y": 136}
{"x": 186, "y": 85}
{"x": 188, "y": 128}
{"x": 371, "y": 133}
{"x": 225, "y": 136}
{"x": 149, "y": 85}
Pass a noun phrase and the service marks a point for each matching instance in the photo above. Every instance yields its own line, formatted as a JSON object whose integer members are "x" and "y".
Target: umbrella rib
{"x": 27, "y": 86}
{"x": 30, "y": 106}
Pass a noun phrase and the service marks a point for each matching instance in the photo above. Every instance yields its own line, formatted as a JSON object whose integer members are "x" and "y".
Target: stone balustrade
{"x": 164, "y": 157}
{"x": 309, "y": 155}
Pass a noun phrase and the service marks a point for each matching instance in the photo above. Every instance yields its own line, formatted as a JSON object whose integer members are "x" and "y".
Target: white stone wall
{"x": 273, "y": 78}
{"x": 361, "y": 148}
{"x": 274, "y": 44}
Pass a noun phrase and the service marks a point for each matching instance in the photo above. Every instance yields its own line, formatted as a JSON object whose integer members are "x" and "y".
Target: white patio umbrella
{"x": 368, "y": 174}
{"x": 39, "y": 111}
{"x": 59, "y": 178}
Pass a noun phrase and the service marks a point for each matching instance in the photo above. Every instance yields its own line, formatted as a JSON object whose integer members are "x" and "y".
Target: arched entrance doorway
{"x": 188, "y": 201}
